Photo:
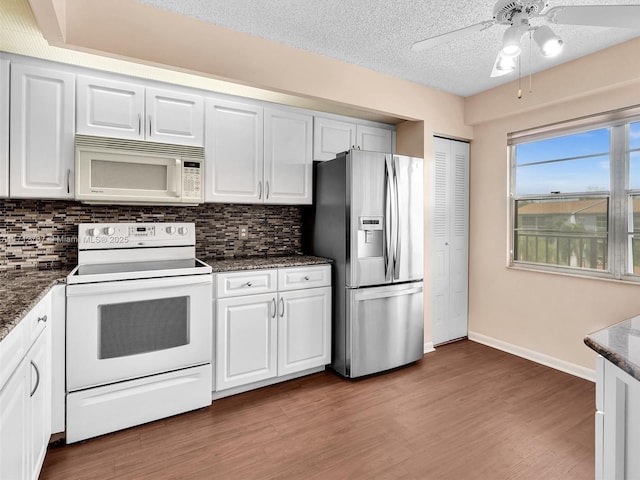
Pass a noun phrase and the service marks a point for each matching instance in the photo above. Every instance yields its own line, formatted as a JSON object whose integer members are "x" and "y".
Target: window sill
{"x": 587, "y": 276}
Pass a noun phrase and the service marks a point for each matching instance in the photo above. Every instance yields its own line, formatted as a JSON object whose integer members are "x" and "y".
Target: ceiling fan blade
{"x": 621, "y": 16}
{"x": 450, "y": 36}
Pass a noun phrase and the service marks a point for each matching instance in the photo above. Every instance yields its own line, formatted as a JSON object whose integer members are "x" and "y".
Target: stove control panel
{"x": 105, "y": 236}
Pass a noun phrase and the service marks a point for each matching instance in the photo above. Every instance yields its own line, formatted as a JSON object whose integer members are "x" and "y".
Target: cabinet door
{"x": 233, "y": 152}
{"x": 110, "y": 108}
{"x": 246, "y": 339}
{"x": 621, "y": 432}
{"x": 4, "y": 127}
{"x": 304, "y": 329}
{"x": 288, "y": 163}
{"x": 41, "y": 137}
{"x": 375, "y": 139}
{"x": 39, "y": 402}
{"x": 331, "y": 137}
{"x": 174, "y": 117}
{"x": 14, "y": 428}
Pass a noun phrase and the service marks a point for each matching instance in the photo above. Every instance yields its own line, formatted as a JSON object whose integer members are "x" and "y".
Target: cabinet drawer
{"x": 36, "y": 320}
{"x": 297, "y": 278}
{"x": 247, "y": 282}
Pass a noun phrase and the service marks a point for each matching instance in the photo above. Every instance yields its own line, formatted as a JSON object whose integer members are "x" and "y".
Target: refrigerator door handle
{"x": 388, "y": 221}
{"x": 397, "y": 252}
{"x": 393, "y": 293}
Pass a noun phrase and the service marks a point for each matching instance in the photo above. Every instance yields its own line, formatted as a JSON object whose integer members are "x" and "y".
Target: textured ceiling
{"x": 378, "y": 34}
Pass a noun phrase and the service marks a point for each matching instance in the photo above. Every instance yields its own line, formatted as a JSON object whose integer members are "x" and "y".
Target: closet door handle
{"x": 37, "y": 378}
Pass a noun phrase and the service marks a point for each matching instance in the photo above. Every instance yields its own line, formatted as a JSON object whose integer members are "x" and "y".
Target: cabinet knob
{"x": 42, "y": 319}
{"x": 248, "y": 284}
{"x": 306, "y": 277}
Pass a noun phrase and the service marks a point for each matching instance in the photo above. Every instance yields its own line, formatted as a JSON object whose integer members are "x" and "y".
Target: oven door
{"x": 129, "y": 329}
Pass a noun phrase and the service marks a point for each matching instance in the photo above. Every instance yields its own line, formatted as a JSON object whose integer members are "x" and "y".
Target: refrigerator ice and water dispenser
{"x": 370, "y": 236}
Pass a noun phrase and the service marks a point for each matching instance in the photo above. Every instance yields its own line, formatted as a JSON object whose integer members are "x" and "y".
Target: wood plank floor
{"x": 466, "y": 411}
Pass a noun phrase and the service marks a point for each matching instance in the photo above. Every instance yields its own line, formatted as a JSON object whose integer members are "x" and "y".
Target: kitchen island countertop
{"x": 620, "y": 344}
{"x": 257, "y": 263}
{"x": 21, "y": 290}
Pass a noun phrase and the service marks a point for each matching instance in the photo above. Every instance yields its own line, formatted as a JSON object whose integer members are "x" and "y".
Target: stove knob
{"x": 171, "y": 230}
{"x": 182, "y": 230}
{"x": 109, "y": 230}
{"x": 93, "y": 232}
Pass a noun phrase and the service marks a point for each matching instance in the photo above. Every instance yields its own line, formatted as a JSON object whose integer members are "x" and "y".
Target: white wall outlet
{"x": 243, "y": 232}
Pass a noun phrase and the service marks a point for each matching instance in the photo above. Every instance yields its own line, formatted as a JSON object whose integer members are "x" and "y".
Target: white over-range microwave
{"x": 118, "y": 171}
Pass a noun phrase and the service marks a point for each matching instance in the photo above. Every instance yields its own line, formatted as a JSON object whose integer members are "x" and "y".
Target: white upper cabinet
{"x": 257, "y": 155}
{"x": 331, "y": 136}
{"x": 234, "y": 152}
{"x": 110, "y": 108}
{"x": 42, "y": 131}
{"x": 128, "y": 110}
{"x": 175, "y": 117}
{"x": 288, "y": 164}
{"x": 4, "y": 127}
{"x": 375, "y": 139}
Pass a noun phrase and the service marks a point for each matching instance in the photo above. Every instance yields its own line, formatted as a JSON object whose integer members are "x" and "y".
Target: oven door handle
{"x": 138, "y": 285}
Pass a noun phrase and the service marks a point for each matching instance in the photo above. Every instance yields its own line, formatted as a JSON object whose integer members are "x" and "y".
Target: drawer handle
{"x": 42, "y": 319}
{"x": 306, "y": 277}
{"x": 37, "y": 379}
{"x": 248, "y": 284}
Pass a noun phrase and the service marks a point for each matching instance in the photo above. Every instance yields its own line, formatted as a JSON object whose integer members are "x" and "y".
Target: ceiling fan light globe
{"x": 549, "y": 43}
{"x": 506, "y": 63}
{"x": 510, "y": 50}
{"x": 511, "y": 41}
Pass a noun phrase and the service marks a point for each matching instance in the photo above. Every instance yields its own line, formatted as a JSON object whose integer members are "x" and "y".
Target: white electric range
{"x": 139, "y": 327}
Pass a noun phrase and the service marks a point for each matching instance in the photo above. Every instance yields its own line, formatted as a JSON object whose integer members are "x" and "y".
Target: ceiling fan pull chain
{"x": 530, "y": 62}
{"x": 519, "y": 77}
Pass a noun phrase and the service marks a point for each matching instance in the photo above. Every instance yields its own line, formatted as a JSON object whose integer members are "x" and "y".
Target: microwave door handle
{"x": 178, "y": 189}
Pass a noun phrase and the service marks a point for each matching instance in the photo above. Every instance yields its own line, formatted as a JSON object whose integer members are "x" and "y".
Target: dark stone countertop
{"x": 620, "y": 344}
{"x": 257, "y": 263}
{"x": 21, "y": 290}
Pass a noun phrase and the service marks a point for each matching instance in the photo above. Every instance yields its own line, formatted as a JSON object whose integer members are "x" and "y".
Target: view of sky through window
{"x": 566, "y": 164}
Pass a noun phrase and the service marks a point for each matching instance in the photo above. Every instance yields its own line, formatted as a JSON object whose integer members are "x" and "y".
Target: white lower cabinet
{"x": 25, "y": 398}
{"x": 246, "y": 343}
{"x": 617, "y": 423}
{"x": 304, "y": 329}
{"x": 265, "y": 337}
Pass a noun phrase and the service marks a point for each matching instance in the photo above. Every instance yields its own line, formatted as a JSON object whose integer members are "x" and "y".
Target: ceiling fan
{"x": 516, "y": 14}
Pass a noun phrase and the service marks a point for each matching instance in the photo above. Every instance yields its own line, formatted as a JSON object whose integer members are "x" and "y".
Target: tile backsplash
{"x": 43, "y": 233}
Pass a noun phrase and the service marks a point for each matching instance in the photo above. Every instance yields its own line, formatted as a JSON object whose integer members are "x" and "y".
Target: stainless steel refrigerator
{"x": 368, "y": 218}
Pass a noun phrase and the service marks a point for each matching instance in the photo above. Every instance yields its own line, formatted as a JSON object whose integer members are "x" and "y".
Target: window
{"x": 575, "y": 197}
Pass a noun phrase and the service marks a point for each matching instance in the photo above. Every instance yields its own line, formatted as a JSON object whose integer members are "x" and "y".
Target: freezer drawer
{"x": 385, "y": 328}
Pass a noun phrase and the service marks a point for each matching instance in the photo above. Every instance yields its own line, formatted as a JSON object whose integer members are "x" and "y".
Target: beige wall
{"x": 543, "y": 312}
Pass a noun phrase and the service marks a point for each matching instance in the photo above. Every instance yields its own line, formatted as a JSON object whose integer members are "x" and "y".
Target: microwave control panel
{"x": 191, "y": 180}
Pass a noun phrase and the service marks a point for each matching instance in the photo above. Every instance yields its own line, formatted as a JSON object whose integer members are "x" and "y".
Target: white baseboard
{"x": 428, "y": 347}
{"x": 549, "y": 361}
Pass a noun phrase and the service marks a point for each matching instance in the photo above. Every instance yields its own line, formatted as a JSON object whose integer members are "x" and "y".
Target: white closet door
{"x": 450, "y": 240}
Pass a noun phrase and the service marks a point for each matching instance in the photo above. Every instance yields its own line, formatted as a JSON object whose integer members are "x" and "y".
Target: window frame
{"x": 619, "y": 231}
